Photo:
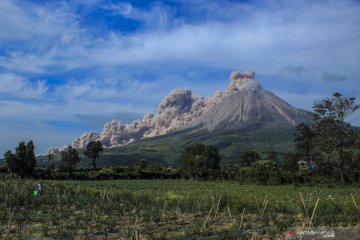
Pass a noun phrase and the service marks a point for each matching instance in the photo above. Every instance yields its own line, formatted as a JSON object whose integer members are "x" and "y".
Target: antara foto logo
{"x": 292, "y": 232}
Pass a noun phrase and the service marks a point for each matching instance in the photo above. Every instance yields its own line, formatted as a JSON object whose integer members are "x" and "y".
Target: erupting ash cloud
{"x": 176, "y": 110}
{"x": 242, "y": 82}
{"x": 57, "y": 151}
{"x": 85, "y": 138}
{"x": 117, "y": 133}
{"x": 53, "y": 151}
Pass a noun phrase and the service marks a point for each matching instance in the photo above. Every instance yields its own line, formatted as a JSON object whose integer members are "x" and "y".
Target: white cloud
{"x": 26, "y": 62}
{"x": 157, "y": 17}
{"x": 108, "y": 89}
{"x": 18, "y": 86}
{"x": 39, "y": 38}
{"x": 35, "y": 23}
{"x": 318, "y": 36}
{"x": 265, "y": 40}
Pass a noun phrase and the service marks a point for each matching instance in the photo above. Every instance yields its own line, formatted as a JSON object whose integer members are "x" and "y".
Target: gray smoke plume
{"x": 53, "y": 151}
{"x": 118, "y": 133}
{"x": 176, "y": 110}
{"x": 242, "y": 81}
{"x": 238, "y": 75}
{"x": 56, "y": 150}
{"x": 85, "y": 139}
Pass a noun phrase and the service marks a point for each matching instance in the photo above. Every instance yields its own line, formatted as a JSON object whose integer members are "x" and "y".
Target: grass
{"x": 169, "y": 209}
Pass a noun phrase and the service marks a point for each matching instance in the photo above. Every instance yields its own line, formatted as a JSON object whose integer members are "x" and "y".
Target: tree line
{"x": 328, "y": 150}
{"x": 23, "y": 161}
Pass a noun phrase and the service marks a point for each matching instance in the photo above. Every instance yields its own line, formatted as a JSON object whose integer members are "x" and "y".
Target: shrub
{"x": 245, "y": 175}
{"x": 266, "y": 172}
{"x": 201, "y": 161}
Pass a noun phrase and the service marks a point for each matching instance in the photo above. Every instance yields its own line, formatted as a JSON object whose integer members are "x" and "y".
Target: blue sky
{"x": 69, "y": 66}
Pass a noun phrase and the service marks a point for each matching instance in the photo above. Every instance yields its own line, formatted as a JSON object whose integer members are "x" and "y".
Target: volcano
{"x": 243, "y": 117}
{"x": 246, "y": 105}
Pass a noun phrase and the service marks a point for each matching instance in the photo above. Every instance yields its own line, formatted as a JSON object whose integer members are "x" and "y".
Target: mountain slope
{"x": 250, "y": 108}
{"x": 167, "y": 149}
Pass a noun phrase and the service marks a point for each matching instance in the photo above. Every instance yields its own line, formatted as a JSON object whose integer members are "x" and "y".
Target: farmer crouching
{"x": 38, "y": 190}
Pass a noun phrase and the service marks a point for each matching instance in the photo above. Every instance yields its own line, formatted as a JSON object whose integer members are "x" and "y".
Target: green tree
{"x": 248, "y": 157}
{"x": 201, "y": 161}
{"x": 334, "y": 136}
{"x": 304, "y": 142}
{"x": 93, "y": 150}
{"x": 23, "y": 162}
{"x": 51, "y": 157}
{"x": 289, "y": 166}
{"x": 266, "y": 172}
{"x": 69, "y": 159}
{"x": 13, "y": 163}
{"x": 30, "y": 159}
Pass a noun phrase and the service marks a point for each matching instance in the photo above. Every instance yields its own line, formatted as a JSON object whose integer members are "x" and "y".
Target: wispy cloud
{"x": 290, "y": 70}
{"x": 333, "y": 77}
{"x": 157, "y": 17}
{"x": 17, "y": 86}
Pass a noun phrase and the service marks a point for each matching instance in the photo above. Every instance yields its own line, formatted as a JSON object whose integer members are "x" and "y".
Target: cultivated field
{"x": 169, "y": 209}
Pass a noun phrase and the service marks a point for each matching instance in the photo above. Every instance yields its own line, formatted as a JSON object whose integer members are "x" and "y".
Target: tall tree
{"x": 51, "y": 157}
{"x": 13, "y": 163}
{"x": 30, "y": 159}
{"x": 69, "y": 159}
{"x": 333, "y": 134}
{"x": 304, "y": 141}
{"x": 201, "y": 161}
{"x": 249, "y": 157}
{"x": 23, "y": 162}
{"x": 289, "y": 163}
{"x": 93, "y": 150}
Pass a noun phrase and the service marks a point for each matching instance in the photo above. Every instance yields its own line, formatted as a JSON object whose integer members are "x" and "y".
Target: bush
{"x": 107, "y": 173}
{"x": 266, "y": 172}
{"x": 245, "y": 175}
{"x": 201, "y": 161}
{"x": 249, "y": 157}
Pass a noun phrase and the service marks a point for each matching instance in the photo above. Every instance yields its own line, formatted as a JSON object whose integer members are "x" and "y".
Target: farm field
{"x": 169, "y": 209}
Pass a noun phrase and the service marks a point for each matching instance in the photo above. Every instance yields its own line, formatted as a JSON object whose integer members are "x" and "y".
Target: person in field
{"x": 38, "y": 190}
